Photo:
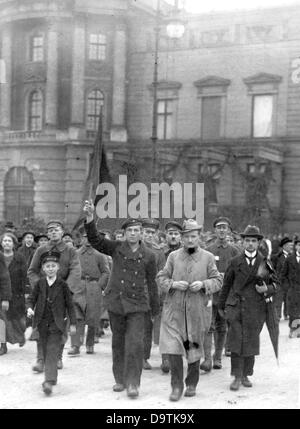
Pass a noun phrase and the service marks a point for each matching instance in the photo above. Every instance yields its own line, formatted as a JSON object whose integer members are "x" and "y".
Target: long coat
{"x": 290, "y": 273}
{"x": 187, "y": 315}
{"x": 62, "y": 303}
{"x": 132, "y": 287}
{"x": 95, "y": 275}
{"x": 244, "y": 307}
{"x": 278, "y": 261}
{"x": 5, "y": 285}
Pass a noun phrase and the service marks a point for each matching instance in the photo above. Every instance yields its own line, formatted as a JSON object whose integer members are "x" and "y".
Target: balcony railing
{"x": 22, "y": 135}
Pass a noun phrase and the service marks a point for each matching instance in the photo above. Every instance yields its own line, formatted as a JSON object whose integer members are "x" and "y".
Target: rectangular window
{"x": 37, "y": 48}
{"x": 97, "y": 47}
{"x": 211, "y": 117}
{"x": 262, "y": 115}
{"x": 164, "y": 119}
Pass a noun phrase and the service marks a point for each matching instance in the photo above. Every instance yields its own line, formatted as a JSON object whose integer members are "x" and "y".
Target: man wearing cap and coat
{"x": 131, "y": 292}
{"x": 189, "y": 279}
{"x": 286, "y": 249}
{"x": 69, "y": 270}
{"x": 223, "y": 252}
{"x": 150, "y": 229}
{"x": 290, "y": 275}
{"x": 242, "y": 301}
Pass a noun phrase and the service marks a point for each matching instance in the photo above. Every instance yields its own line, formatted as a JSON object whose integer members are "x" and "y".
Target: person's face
{"x": 190, "y": 239}
{"x": 297, "y": 247}
{"x": 68, "y": 241}
{"x": 50, "y": 268}
{"x": 229, "y": 239}
{"x": 133, "y": 234}
{"x": 250, "y": 244}
{"x": 120, "y": 237}
{"x": 55, "y": 233}
{"x": 173, "y": 237}
{"x": 288, "y": 247}
{"x": 43, "y": 241}
{"x": 222, "y": 230}
{"x": 28, "y": 240}
{"x": 7, "y": 243}
{"x": 149, "y": 235}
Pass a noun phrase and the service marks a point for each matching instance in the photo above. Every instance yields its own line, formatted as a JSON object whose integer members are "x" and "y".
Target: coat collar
{"x": 125, "y": 249}
{"x": 195, "y": 256}
{"x": 57, "y": 246}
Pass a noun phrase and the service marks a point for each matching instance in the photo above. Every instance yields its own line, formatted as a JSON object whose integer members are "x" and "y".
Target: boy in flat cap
{"x": 223, "y": 252}
{"x": 49, "y": 303}
{"x": 69, "y": 271}
{"x": 127, "y": 298}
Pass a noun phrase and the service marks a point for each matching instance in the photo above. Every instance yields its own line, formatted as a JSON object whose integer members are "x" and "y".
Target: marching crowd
{"x": 195, "y": 293}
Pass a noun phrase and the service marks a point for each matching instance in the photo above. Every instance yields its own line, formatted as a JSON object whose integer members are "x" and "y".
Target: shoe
{"x": 47, "y": 387}
{"x": 246, "y": 382}
{"x": 59, "y": 364}
{"x": 90, "y": 350}
{"x": 3, "y": 349}
{"x": 105, "y": 324}
{"x": 165, "y": 365}
{"x": 118, "y": 387}
{"x": 175, "y": 394}
{"x": 74, "y": 351}
{"x": 146, "y": 364}
{"x": 190, "y": 391}
{"x": 227, "y": 353}
{"x": 22, "y": 343}
{"x": 235, "y": 385}
{"x": 132, "y": 391}
{"x": 206, "y": 365}
{"x": 217, "y": 364}
{"x": 39, "y": 366}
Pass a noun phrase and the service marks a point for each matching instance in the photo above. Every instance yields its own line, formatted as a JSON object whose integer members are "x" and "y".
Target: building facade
{"x": 228, "y": 106}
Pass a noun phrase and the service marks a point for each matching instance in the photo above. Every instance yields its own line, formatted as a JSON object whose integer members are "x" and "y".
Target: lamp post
{"x": 175, "y": 30}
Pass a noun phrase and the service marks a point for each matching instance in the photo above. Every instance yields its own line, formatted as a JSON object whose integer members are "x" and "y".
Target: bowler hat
{"x": 51, "y": 255}
{"x": 131, "y": 222}
{"x": 190, "y": 225}
{"x": 173, "y": 225}
{"x": 252, "y": 231}
{"x": 284, "y": 241}
{"x": 9, "y": 224}
{"x": 222, "y": 220}
{"x": 54, "y": 223}
{"x": 150, "y": 223}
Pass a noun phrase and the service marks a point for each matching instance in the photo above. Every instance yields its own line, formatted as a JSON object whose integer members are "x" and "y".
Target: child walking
{"x": 49, "y": 302}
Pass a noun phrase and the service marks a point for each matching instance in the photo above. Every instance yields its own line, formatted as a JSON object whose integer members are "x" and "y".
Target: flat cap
{"x": 38, "y": 237}
{"x": 284, "y": 241}
{"x": 131, "y": 222}
{"x": 27, "y": 233}
{"x": 54, "y": 223}
{"x": 50, "y": 256}
{"x": 150, "y": 223}
{"x": 222, "y": 220}
{"x": 173, "y": 225}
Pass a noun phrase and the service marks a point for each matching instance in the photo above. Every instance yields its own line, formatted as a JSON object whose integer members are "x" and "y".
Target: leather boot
{"x": 235, "y": 385}
{"x": 207, "y": 364}
{"x": 39, "y": 366}
{"x": 220, "y": 339}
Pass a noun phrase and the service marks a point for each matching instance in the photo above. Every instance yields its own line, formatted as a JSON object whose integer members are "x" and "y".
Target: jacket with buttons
{"x": 132, "y": 286}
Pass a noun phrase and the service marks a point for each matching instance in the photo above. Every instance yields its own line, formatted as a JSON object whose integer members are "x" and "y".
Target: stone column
{"x": 118, "y": 131}
{"x": 52, "y": 76}
{"x": 5, "y": 86}
{"x": 77, "y": 103}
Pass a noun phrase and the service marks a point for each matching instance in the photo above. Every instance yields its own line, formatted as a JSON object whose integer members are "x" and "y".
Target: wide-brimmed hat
{"x": 190, "y": 225}
{"x": 252, "y": 231}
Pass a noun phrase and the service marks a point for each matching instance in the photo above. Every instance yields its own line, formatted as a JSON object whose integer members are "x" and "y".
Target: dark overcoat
{"x": 291, "y": 273}
{"x": 5, "y": 285}
{"x": 278, "y": 261}
{"x": 245, "y": 308}
{"x": 132, "y": 286}
{"x": 62, "y": 303}
{"x": 17, "y": 272}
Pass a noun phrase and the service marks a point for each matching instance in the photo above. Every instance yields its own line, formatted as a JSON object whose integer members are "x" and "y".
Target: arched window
{"x": 95, "y": 104}
{"x": 18, "y": 194}
{"x": 35, "y": 117}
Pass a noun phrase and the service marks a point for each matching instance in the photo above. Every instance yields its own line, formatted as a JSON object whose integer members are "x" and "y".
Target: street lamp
{"x": 175, "y": 29}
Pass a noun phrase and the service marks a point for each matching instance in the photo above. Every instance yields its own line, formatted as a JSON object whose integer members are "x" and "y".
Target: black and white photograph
{"x": 149, "y": 207}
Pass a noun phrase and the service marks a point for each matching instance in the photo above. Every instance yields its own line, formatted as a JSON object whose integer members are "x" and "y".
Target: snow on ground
{"x": 86, "y": 381}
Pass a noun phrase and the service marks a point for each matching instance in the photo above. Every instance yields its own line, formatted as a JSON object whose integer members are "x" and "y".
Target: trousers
{"x": 176, "y": 366}
{"x": 242, "y": 366}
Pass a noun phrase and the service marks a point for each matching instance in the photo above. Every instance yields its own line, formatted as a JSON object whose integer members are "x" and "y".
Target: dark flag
{"x": 98, "y": 172}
